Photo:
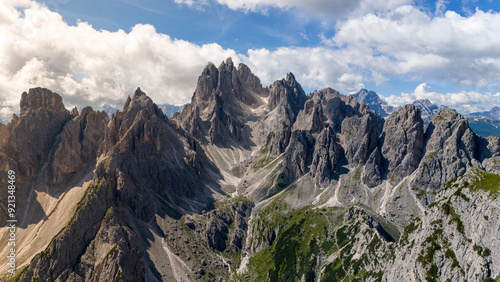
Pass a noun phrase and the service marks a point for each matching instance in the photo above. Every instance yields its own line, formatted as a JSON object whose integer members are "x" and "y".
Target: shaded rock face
{"x": 4, "y": 134}
{"x": 287, "y": 98}
{"x": 298, "y": 156}
{"x": 137, "y": 141}
{"x": 78, "y": 144}
{"x": 337, "y": 107}
{"x": 373, "y": 169}
{"x": 360, "y": 137}
{"x": 217, "y": 233}
{"x": 449, "y": 151}
{"x": 41, "y": 119}
{"x": 331, "y": 131}
{"x": 403, "y": 142}
{"x": 28, "y": 140}
{"x": 489, "y": 153}
{"x": 311, "y": 118}
{"x": 141, "y": 141}
{"x": 327, "y": 155}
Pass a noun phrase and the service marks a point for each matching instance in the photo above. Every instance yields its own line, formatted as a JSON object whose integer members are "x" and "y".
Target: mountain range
{"x": 483, "y": 123}
{"x": 167, "y": 109}
{"x": 249, "y": 183}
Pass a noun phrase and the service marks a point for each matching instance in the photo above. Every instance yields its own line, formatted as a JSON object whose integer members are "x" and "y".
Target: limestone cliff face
{"x": 33, "y": 134}
{"x": 450, "y": 150}
{"x": 263, "y": 184}
{"x": 216, "y": 113}
{"x": 403, "y": 142}
{"x": 138, "y": 141}
{"x": 28, "y": 140}
{"x": 286, "y": 99}
{"x": 328, "y": 155}
{"x": 78, "y": 145}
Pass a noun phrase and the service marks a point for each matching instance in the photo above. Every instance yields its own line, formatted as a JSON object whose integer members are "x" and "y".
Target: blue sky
{"x": 238, "y": 30}
{"x": 214, "y": 22}
{"x": 96, "y": 52}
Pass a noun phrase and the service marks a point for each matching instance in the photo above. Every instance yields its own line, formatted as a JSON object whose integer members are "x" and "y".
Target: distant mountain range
{"x": 483, "y": 123}
{"x": 373, "y": 101}
{"x": 494, "y": 113}
{"x": 167, "y": 109}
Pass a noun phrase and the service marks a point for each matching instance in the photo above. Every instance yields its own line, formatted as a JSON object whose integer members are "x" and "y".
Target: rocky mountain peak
{"x": 136, "y": 110}
{"x": 138, "y": 93}
{"x": 32, "y": 135}
{"x": 139, "y": 101}
{"x": 367, "y": 97}
{"x": 227, "y": 64}
{"x": 289, "y": 93}
{"x": 427, "y": 108}
{"x": 77, "y": 145}
{"x": 424, "y": 102}
{"x": 448, "y": 116}
{"x": 290, "y": 78}
{"x": 41, "y": 99}
{"x": 249, "y": 79}
{"x": 227, "y": 81}
{"x": 223, "y": 99}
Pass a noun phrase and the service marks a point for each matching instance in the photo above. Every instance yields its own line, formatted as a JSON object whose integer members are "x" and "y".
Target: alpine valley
{"x": 248, "y": 183}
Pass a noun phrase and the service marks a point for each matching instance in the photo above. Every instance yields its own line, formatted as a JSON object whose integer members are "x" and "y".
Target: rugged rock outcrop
{"x": 403, "y": 143}
{"x": 457, "y": 237}
{"x": 328, "y": 154}
{"x": 33, "y": 134}
{"x": 489, "y": 153}
{"x": 138, "y": 141}
{"x": 286, "y": 99}
{"x": 217, "y": 108}
{"x": 28, "y": 141}
{"x": 78, "y": 145}
{"x": 450, "y": 150}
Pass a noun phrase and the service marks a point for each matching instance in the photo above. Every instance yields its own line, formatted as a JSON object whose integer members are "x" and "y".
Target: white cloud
{"x": 313, "y": 67}
{"x": 463, "y": 50}
{"x": 440, "y": 7}
{"x": 464, "y": 101}
{"x": 323, "y": 7}
{"x": 37, "y": 48}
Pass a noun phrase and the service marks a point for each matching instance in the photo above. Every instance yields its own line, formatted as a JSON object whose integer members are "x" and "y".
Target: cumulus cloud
{"x": 463, "y": 50}
{"x": 464, "y": 101}
{"x": 91, "y": 67}
{"x": 313, "y": 67}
